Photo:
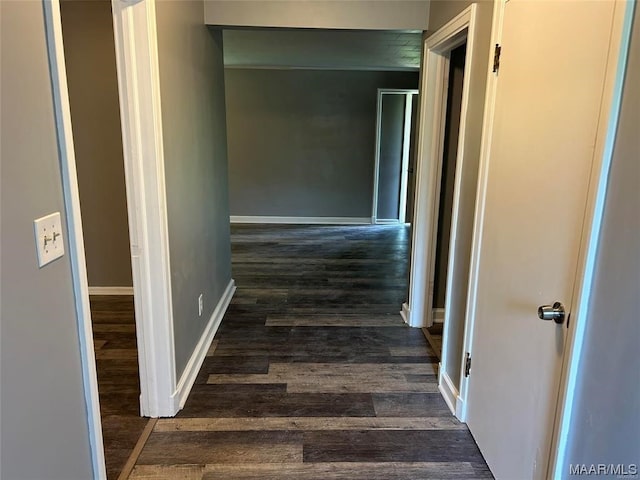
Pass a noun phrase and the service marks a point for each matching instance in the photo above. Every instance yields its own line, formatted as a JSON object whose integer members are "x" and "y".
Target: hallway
{"x": 313, "y": 374}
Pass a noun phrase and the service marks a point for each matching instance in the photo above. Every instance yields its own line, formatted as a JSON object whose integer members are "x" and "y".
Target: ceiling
{"x": 322, "y": 49}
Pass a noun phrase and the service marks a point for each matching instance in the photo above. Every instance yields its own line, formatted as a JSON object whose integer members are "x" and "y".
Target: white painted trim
{"x": 388, "y": 221}
{"x": 429, "y": 147}
{"x": 53, "y": 24}
{"x": 136, "y": 47}
{"x": 406, "y": 147}
{"x": 438, "y": 315}
{"x": 450, "y": 393}
{"x": 478, "y": 221}
{"x": 398, "y": 91}
{"x": 376, "y": 163}
{"x": 603, "y": 154}
{"x": 336, "y": 69}
{"x": 408, "y": 93}
{"x": 110, "y": 290}
{"x": 190, "y": 373}
{"x": 453, "y": 282}
{"x": 404, "y": 313}
{"x": 267, "y": 219}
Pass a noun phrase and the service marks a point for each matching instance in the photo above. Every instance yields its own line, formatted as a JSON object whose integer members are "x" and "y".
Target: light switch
{"x": 49, "y": 241}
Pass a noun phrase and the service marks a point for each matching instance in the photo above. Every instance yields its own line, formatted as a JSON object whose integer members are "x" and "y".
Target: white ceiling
{"x": 335, "y": 49}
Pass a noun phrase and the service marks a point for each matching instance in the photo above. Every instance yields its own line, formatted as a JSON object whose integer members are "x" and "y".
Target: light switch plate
{"x": 49, "y": 241}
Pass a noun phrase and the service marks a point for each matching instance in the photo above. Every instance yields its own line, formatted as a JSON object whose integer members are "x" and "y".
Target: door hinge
{"x": 467, "y": 364}
{"x": 496, "y": 58}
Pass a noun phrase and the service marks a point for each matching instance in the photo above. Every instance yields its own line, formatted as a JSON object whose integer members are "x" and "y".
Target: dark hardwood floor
{"x": 114, "y": 337}
{"x": 313, "y": 374}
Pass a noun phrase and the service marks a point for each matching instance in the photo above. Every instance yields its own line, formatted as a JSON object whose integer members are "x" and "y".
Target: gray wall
{"x": 87, "y": 27}
{"x": 302, "y": 142}
{"x": 195, "y": 152}
{"x": 606, "y": 423}
{"x": 344, "y": 14}
{"x": 441, "y": 13}
{"x": 44, "y": 431}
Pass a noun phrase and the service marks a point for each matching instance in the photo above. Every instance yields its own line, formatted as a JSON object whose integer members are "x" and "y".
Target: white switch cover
{"x": 49, "y": 241}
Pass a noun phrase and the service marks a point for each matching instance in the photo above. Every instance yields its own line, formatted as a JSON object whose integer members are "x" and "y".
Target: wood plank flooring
{"x": 114, "y": 341}
{"x": 313, "y": 374}
{"x": 433, "y": 334}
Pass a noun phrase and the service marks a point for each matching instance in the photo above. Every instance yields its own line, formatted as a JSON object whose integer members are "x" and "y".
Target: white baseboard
{"x": 387, "y": 221}
{"x": 110, "y": 290}
{"x": 438, "y": 315}
{"x": 266, "y": 219}
{"x": 404, "y": 313}
{"x": 450, "y": 393}
{"x": 197, "y": 358}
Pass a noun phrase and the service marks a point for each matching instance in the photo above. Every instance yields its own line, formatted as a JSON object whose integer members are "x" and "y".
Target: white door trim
{"x": 406, "y": 150}
{"x": 478, "y": 221}
{"x": 408, "y": 93}
{"x": 590, "y": 238}
{"x": 139, "y": 90}
{"x": 429, "y": 150}
{"x": 76, "y": 253}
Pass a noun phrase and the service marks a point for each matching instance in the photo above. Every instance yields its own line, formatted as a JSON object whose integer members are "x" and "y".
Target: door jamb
{"x": 408, "y": 93}
{"x": 406, "y": 150}
{"x": 445, "y": 384}
{"x": 64, "y": 134}
{"x": 136, "y": 46}
{"x": 478, "y": 222}
{"x": 429, "y": 150}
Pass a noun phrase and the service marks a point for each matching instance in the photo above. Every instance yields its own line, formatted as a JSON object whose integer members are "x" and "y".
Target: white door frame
{"x": 429, "y": 150}
{"x": 136, "y": 46}
{"x": 137, "y": 61}
{"x": 408, "y": 93}
{"x": 64, "y": 133}
{"x": 605, "y": 137}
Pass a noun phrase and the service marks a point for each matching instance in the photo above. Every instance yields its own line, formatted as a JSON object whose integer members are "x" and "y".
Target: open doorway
{"x": 447, "y": 181}
{"x": 87, "y": 30}
{"x": 304, "y": 159}
{"x": 394, "y": 132}
{"x": 446, "y": 195}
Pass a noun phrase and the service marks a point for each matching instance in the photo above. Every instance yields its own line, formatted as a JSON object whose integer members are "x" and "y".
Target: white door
{"x": 549, "y": 90}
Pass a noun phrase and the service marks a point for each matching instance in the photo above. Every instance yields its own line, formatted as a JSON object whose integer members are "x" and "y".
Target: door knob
{"x": 553, "y": 312}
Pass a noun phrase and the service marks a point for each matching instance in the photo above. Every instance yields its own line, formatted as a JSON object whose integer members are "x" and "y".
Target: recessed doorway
{"x": 394, "y": 134}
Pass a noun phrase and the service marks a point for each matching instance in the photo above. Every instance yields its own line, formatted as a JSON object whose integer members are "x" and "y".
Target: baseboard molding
{"x": 404, "y": 313}
{"x": 448, "y": 390}
{"x": 387, "y": 221}
{"x": 110, "y": 290}
{"x": 438, "y": 315}
{"x": 450, "y": 393}
{"x": 266, "y": 219}
{"x": 190, "y": 373}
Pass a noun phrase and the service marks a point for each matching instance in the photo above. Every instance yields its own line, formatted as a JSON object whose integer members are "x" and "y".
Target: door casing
{"x": 408, "y": 94}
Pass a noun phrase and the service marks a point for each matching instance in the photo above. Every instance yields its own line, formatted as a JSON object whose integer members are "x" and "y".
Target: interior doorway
{"x": 394, "y": 133}
{"x": 446, "y": 194}
{"x": 87, "y": 31}
{"x": 447, "y": 172}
